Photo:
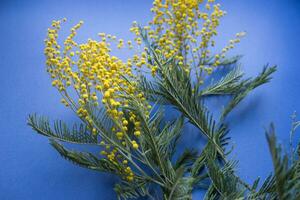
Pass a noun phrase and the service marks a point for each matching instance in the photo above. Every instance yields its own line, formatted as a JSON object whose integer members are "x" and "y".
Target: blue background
{"x": 31, "y": 169}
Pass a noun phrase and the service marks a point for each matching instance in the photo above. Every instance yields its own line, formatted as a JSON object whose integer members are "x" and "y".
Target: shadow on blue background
{"x": 31, "y": 169}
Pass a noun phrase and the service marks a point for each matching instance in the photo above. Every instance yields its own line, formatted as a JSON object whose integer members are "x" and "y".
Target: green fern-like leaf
{"x": 287, "y": 178}
{"x": 247, "y": 86}
{"x": 79, "y": 134}
{"x": 132, "y": 190}
{"x": 84, "y": 159}
{"x": 228, "y": 85}
{"x": 225, "y": 184}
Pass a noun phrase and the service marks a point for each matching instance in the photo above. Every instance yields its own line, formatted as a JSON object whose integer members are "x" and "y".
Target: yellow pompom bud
{"x": 120, "y": 134}
{"x": 106, "y": 94}
{"x": 134, "y": 144}
{"x": 137, "y": 133}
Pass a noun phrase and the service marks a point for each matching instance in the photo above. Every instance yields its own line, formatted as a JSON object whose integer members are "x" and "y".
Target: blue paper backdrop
{"x": 31, "y": 169}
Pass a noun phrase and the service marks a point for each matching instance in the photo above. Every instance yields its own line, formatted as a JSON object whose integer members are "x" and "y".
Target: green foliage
{"x": 247, "y": 86}
{"x": 186, "y": 159}
{"x": 79, "y": 134}
{"x": 175, "y": 87}
{"x": 158, "y": 141}
{"x": 154, "y": 162}
{"x": 84, "y": 159}
{"x": 125, "y": 190}
{"x": 230, "y": 84}
{"x": 286, "y": 173}
{"x": 224, "y": 184}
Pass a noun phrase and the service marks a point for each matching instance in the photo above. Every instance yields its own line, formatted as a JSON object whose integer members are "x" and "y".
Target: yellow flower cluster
{"x": 182, "y": 31}
{"x": 231, "y": 44}
{"x": 91, "y": 71}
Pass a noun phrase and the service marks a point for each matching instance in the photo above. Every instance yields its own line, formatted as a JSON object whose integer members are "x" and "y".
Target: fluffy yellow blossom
{"x": 137, "y": 133}
{"x": 184, "y": 30}
{"x": 95, "y": 73}
{"x": 134, "y": 144}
